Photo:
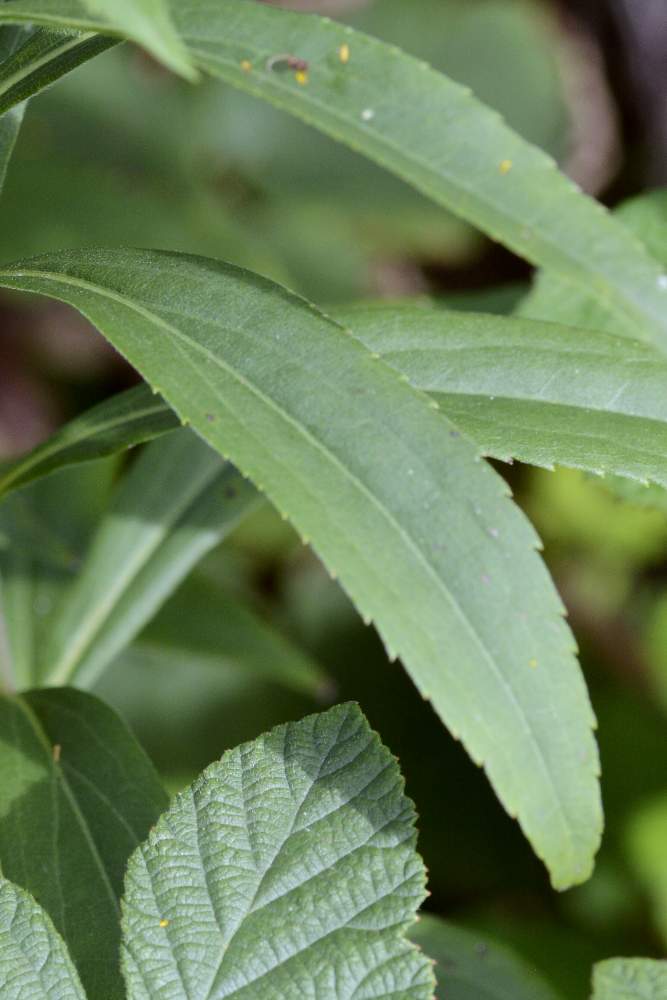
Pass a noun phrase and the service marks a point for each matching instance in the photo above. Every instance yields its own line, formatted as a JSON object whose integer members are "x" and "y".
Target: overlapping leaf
{"x": 34, "y": 963}
{"x": 149, "y": 23}
{"x": 395, "y": 501}
{"x": 288, "y": 869}
{"x": 419, "y": 125}
{"x": 77, "y": 796}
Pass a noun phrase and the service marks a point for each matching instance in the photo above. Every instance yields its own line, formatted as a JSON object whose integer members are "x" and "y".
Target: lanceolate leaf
{"x": 470, "y": 967}
{"x": 395, "y": 501}
{"x": 149, "y": 23}
{"x": 178, "y": 501}
{"x": 34, "y": 962}
{"x": 630, "y": 979}
{"x": 77, "y": 796}
{"x": 288, "y": 870}
{"x": 129, "y": 418}
{"x": 42, "y": 57}
{"x": 426, "y": 129}
{"x": 542, "y": 393}
{"x": 10, "y": 123}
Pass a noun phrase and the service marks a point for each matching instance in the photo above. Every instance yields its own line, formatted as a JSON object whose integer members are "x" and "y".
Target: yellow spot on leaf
{"x": 505, "y": 166}
{"x": 56, "y": 751}
{"x": 164, "y": 923}
{"x": 532, "y": 663}
{"x": 344, "y": 53}
{"x": 246, "y": 65}
{"x": 301, "y": 77}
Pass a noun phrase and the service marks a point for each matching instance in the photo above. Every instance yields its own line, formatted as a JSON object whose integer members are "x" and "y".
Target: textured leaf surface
{"x": 177, "y": 502}
{"x": 630, "y": 979}
{"x": 287, "y": 870}
{"x": 426, "y": 129}
{"x": 538, "y": 392}
{"x": 34, "y": 963}
{"x": 395, "y": 501}
{"x": 10, "y": 123}
{"x": 71, "y": 816}
{"x": 204, "y": 625}
{"x": 130, "y": 418}
{"x": 470, "y": 967}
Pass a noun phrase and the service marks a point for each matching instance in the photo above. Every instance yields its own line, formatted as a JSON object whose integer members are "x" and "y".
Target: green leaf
{"x": 645, "y": 841}
{"x": 421, "y": 126}
{"x": 77, "y": 796}
{"x": 40, "y": 58}
{"x": 288, "y": 869}
{"x": 471, "y": 967}
{"x": 130, "y": 418}
{"x": 396, "y": 502}
{"x": 545, "y": 394}
{"x": 149, "y": 23}
{"x": 630, "y": 979}
{"x": 10, "y": 123}
{"x": 203, "y": 624}
{"x": 34, "y": 963}
{"x": 178, "y": 501}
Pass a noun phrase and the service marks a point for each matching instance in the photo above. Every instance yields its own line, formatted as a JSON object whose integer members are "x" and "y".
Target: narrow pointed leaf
{"x": 42, "y": 57}
{"x": 10, "y": 122}
{"x": 470, "y": 967}
{"x": 178, "y": 501}
{"x": 130, "y": 418}
{"x": 202, "y": 623}
{"x": 416, "y": 123}
{"x": 149, "y": 23}
{"x": 539, "y": 392}
{"x": 630, "y": 979}
{"x": 287, "y": 870}
{"x": 34, "y": 962}
{"x": 77, "y": 796}
{"x": 395, "y": 501}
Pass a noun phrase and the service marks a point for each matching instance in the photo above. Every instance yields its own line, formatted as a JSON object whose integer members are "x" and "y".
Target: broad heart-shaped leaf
{"x": 34, "y": 962}
{"x": 149, "y": 23}
{"x": 470, "y": 967}
{"x": 77, "y": 796}
{"x": 416, "y": 123}
{"x": 542, "y": 393}
{"x": 630, "y": 979}
{"x": 41, "y": 57}
{"x": 287, "y": 870}
{"x": 396, "y": 503}
{"x": 178, "y": 501}
{"x": 129, "y": 418}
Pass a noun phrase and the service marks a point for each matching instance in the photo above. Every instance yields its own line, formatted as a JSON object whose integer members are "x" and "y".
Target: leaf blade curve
{"x": 295, "y": 857}
{"x": 445, "y": 565}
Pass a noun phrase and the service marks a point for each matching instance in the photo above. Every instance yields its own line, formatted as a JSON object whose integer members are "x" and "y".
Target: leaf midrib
{"x": 387, "y": 515}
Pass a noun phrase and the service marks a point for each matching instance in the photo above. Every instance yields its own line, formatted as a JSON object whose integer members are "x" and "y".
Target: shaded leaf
{"x": 288, "y": 869}
{"x": 149, "y": 23}
{"x": 471, "y": 967}
{"x": 395, "y": 501}
{"x": 178, "y": 501}
{"x": 34, "y": 962}
{"x": 78, "y": 794}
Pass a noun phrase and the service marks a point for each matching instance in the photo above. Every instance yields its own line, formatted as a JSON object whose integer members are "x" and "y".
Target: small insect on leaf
{"x": 288, "y": 61}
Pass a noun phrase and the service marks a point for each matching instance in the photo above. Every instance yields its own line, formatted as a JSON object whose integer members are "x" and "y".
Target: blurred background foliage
{"x": 121, "y": 152}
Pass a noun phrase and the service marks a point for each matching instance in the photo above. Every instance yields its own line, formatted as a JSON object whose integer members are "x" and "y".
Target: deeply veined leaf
{"x": 287, "y": 870}
{"x": 149, "y": 23}
{"x": 34, "y": 962}
{"x": 202, "y": 623}
{"x": 77, "y": 796}
{"x": 542, "y": 393}
{"x": 630, "y": 979}
{"x": 395, "y": 501}
{"x": 129, "y": 418}
{"x": 41, "y": 57}
{"x": 178, "y": 501}
{"x": 421, "y": 126}
{"x": 470, "y": 967}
